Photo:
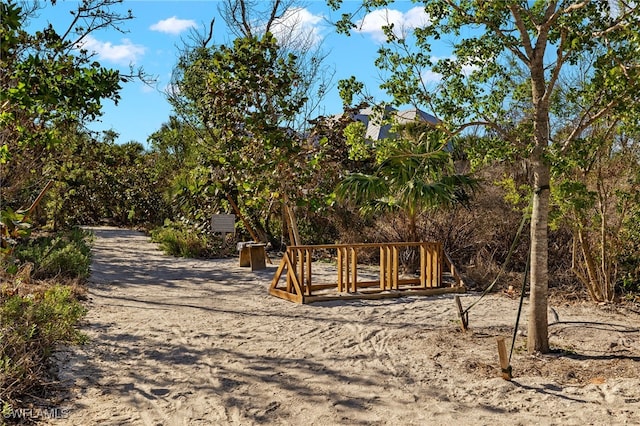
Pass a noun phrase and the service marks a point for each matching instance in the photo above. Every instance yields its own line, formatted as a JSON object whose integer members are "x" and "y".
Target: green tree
{"x": 283, "y": 19}
{"x": 507, "y": 58}
{"x": 47, "y": 87}
{"x": 100, "y": 180}
{"x": 239, "y": 99}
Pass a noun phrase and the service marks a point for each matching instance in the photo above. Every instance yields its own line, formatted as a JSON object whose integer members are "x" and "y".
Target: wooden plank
{"x": 382, "y": 268}
{"x": 341, "y": 286}
{"x": 347, "y": 273}
{"x": 384, "y": 294}
{"x": 439, "y": 263}
{"x": 395, "y": 267}
{"x": 309, "y": 285}
{"x": 423, "y": 266}
{"x": 354, "y": 269}
{"x": 297, "y": 298}
{"x": 301, "y": 267}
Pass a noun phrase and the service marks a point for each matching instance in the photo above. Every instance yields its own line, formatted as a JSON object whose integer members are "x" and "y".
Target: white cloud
{"x": 373, "y": 22}
{"x": 298, "y": 24}
{"x": 173, "y": 25}
{"x": 124, "y": 53}
{"x": 430, "y": 76}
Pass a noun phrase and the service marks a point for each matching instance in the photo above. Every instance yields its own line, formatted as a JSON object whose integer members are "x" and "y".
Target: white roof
{"x": 376, "y": 130}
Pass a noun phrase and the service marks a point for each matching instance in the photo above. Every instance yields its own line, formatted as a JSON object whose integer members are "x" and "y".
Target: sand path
{"x": 200, "y": 342}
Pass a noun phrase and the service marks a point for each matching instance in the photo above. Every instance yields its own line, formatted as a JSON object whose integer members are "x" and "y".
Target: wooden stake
{"x": 464, "y": 316}
{"x": 505, "y": 368}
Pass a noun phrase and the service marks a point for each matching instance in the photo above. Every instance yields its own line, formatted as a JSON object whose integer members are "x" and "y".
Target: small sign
{"x": 224, "y": 223}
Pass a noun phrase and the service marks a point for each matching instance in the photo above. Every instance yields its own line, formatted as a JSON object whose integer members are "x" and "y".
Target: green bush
{"x": 31, "y": 327}
{"x": 67, "y": 255}
{"x": 182, "y": 241}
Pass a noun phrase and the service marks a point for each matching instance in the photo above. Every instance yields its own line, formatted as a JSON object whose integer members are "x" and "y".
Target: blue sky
{"x": 159, "y": 28}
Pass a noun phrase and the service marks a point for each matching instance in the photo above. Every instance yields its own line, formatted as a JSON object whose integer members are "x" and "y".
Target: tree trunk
{"x": 538, "y": 333}
{"x": 538, "y": 336}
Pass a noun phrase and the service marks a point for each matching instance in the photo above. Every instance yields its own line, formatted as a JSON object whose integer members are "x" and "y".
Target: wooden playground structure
{"x": 436, "y": 273}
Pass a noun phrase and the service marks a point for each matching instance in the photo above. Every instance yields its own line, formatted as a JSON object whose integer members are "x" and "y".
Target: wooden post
{"x": 291, "y": 221}
{"x": 396, "y": 267}
{"x": 257, "y": 255}
{"x": 354, "y": 270}
{"x": 464, "y": 316}
{"x": 308, "y": 254}
{"x": 505, "y": 368}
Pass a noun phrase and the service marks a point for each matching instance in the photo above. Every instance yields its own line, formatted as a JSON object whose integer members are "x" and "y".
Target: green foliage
{"x": 12, "y": 225}
{"x": 32, "y": 326}
{"x": 100, "y": 181}
{"x": 239, "y": 100}
{"x": 414, "y": 173}
{"x": 348, "y": 88}
{"x": 359, "y": 148}
{"x": 182, "y": 240}
{"x": 49, "y": 89}
{"x": 517, "y": 196}
{"x": 44, "y": 84}
{"x": 67, "y": 255}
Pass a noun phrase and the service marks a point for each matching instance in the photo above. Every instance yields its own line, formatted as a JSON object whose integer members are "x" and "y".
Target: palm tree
{"x": 415, "y": 174}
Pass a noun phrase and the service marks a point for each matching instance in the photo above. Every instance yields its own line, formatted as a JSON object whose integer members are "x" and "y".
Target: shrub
{"x": 31, "y": 327}
{"x": 181, "y": 240}
{"x": 68, "y": 255}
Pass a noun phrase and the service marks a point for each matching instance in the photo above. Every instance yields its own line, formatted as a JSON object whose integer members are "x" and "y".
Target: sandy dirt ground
{"x": 201, "y": 342}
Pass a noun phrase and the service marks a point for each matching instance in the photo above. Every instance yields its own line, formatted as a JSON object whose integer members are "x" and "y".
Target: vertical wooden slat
{"x": 437, "y": 269}
{"x": 382, "y": 268}
{"x": 308, "y": 253}
{"x": 347, "y": 272}
{"x": 429, "y": 265}
{"x": 299, "y": 253}
{"x": 387, "y": 268}
{"x": 340, "y": 278}
{"x": 289, "y": 271}
{"x": 354, "y": 270}
{"x": 440, "y": 263}
{"x": 505, "y": 368}
{"x": 396, "y": 266}
{"x": 423, "y": 266}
